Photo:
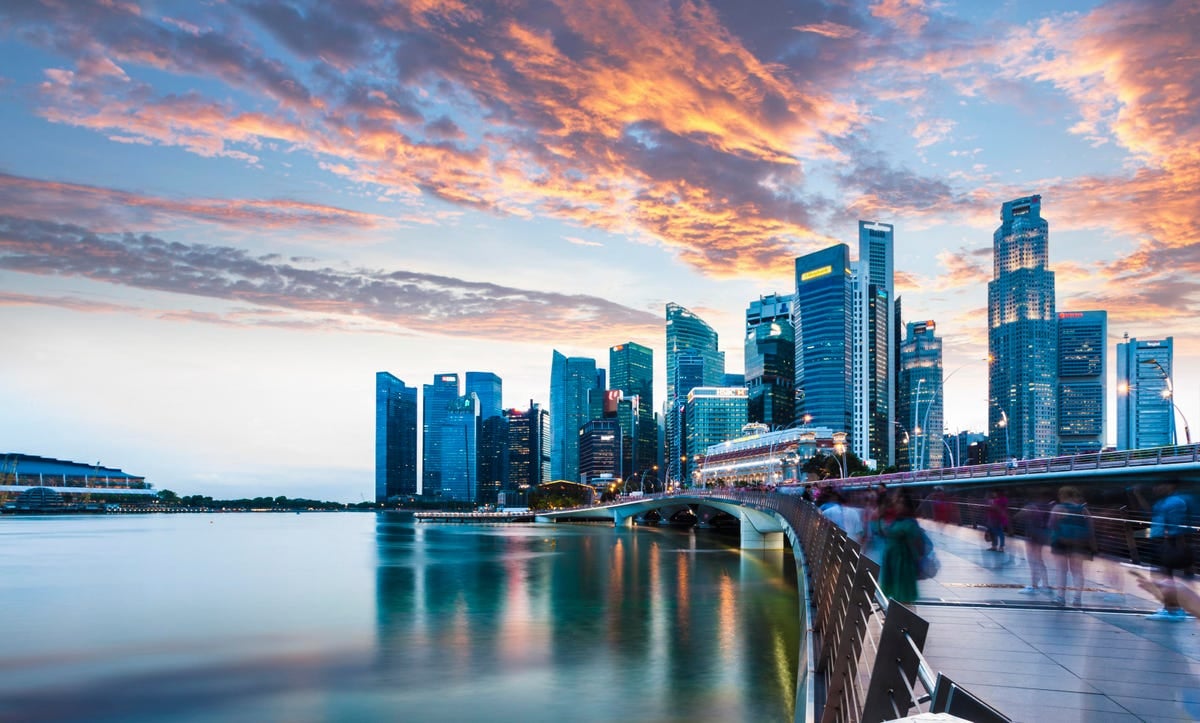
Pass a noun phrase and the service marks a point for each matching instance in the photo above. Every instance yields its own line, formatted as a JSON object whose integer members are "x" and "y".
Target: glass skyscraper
{"x": 1082, "y": 374}
{"x": 600, "y": 452}
{"x": 1145, "y": 410}
{"x": 395, "y": 438}
{"x": 693, "y": 360}
{"x": 1022, "y": 336}
{"x": 920, "y": 399}
{"x": 528, "y": 448}
{"x": 712, "y": 415}
{"x": 437, "y": 400}
{"x": 573, "y": 385}
{"x": 459, "y": 450}
{"x": 631, "y": 370}
{"x": 770, "y": 360}
{"x": 489, "y": 388}
{"x": 823, "y": 319}
{"x": 876, "y": 262}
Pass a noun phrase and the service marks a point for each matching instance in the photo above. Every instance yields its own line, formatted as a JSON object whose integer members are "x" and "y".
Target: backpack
{"x": 1072, "y": 526}
{"x": 927, "y": 564}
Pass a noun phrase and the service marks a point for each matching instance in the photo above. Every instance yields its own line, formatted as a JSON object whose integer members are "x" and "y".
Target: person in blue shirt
{"x": 1170, "y": 528}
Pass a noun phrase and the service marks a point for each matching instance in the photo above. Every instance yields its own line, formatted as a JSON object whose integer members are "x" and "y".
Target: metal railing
{"x": 867, "y": 654}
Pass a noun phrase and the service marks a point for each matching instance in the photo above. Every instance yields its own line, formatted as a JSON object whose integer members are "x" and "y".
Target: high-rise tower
{"x": 823, "y": 318}
{"x": 573, "y": 384}
{"x": 1022, "y": 336}
{"x": 459, "y": 450}
{"x": 920, "y": 400}
{"x": 395, "y": 438}
{"x": 1145, "y": 409}
{"x": 692, "y": 361}
{"x": 631, "y": 371}
{"x": 1082, "y": 385}
{"x": 770, "y": 360}
{"x": 437, "y": 400}
{"x": 876, "y": 263}
{"x": 490, "y": 389}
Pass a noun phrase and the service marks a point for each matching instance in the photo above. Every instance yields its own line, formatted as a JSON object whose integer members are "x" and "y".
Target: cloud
{"x": 109, "y": 209}
{"x": 581, "y": 242}
{"x": 399, "y": 299}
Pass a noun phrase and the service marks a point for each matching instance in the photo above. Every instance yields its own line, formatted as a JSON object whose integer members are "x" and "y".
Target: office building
{"x": 489, "y": 388}
{"x": 692, "y": 360}
{"x": 493, "y": 458}
{"x": 770, "y": 361}
{"x": 920, "y": 400}
{"x": 459, "y": 450}
{"x": 1082, "y": 374}
{"x": 528, "y": 448}
{"x": 1145, "y": 407}
{"x": 436, "y": 402}
{"x": 573, "y": 386}
{"x": 1022, "y": 336}
{"x": 876, "y": 260}
{"x": 600, "y": 452}
{"x": 860, "y": 381}
{"x": 822, "y": 315}
{"x": 395, "y": 438}
{"x": 712, "y": 415}
{"x": 631, "y": 371}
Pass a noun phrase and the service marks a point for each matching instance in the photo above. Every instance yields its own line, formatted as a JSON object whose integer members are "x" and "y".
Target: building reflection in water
{"x": 532, "y": 621}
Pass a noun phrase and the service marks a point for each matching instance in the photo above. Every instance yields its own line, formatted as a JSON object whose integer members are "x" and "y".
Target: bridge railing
{"x": 867, "y": 650}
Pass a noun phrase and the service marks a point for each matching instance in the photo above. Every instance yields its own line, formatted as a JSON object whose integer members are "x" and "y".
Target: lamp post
{"x": 1169, "y": 395}
{"x": 914, "y": 462}
{"x": 949, "y": 451}
{"x": 1004, "y": 423}
{"x": 839, "y": 448}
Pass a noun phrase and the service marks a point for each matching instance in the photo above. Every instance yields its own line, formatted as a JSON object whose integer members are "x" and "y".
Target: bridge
{"x": 865, "y": 658}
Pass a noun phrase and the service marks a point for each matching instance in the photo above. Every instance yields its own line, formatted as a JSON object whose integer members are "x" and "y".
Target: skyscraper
{"x": 572, "y": 383}
{"x": 1022, "y": 336}
{"x": 489, "y": 388}
{"x": 1082, "y": 372}
{"x": 631, "y": 370}
{"x": 823, "y": 318}
{"x": 1145, "y": 409}
{"x": 770, "y": 360}
{"x": 528, "y": 448}
{"x": 920, "y": 401}
{"x": 600, "y": 452}
{"x": 712, "y": 415}
{"x": 876, "y": 262}
{"x": 692, "y": 360}
{"x": 438, "y": 398}
{"x": 459, "y": 450}
{"x": 395, "y": 438}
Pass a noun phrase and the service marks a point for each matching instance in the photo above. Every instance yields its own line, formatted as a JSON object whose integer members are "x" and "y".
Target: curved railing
{"x": 866, "y": 662}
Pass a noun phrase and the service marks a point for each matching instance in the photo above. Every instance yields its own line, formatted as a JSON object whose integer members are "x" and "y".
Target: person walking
{"x": 902, "y": 549}
{"x": 1034, "y": 517}
{"x": 1170, "y": 527}
{"x": 1072, "y": 539}
{"x": 848, "y": 518}
{"x": 995, "y": 518}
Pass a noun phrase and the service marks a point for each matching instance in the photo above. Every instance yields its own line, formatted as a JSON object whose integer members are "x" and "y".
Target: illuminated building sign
{"x": 449, "y": 378}
{"x": 1070, "y": 315}
{"x": 816, "y": 273}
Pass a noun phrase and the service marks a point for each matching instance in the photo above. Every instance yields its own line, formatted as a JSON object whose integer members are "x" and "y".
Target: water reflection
{"x": 520, "y": 622}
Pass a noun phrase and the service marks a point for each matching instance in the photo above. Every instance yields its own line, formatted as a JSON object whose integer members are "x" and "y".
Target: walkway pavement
{"x": 1035, "y": 661}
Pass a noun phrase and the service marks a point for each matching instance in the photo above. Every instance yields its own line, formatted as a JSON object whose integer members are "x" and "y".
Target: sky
{"x": 219, "y": 218}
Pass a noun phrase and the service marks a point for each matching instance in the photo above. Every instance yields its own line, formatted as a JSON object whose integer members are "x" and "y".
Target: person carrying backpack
{"x": 1072, "y": 539}
{"x": 1170, "y": 527}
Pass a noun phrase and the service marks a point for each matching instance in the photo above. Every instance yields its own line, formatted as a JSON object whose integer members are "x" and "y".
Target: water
{"x": 321, "y": 617}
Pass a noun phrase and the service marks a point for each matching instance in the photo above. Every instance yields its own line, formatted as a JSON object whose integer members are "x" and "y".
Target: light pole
{"x": 914, "y": 462}
{"x": 1169, "y": 395}
{"x": 1004, "y": 423}
{"x": 949, "y": 451}
{"x": 839, "y": 448}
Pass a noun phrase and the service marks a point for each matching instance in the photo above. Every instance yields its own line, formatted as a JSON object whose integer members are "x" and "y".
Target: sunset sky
{"x": 219, "y": 219}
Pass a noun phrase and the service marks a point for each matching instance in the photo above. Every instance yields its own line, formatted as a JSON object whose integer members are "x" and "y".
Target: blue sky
{"x": 219, "y": 219}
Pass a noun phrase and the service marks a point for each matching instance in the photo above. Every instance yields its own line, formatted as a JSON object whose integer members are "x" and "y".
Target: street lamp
{"x": 1169, "y": 394}
{"x": 913, "y": 463}
{"x": 839, "y": 447}
{"x": 1004, "y": 423}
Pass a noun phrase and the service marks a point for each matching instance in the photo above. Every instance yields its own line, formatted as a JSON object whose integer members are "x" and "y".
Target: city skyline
{"x": 217, "y": 223}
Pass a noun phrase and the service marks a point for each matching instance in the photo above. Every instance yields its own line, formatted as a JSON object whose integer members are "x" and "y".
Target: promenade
{"x": 1035, "y": 661}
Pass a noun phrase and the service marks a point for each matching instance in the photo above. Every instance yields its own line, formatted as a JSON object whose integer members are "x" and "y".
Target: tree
{"x": 167, "y": 497}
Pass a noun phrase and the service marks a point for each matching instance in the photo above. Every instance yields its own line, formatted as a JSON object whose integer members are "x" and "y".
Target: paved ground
{"x": 1035, "y": 661}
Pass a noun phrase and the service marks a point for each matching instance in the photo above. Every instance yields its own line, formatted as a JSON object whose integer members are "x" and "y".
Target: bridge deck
{"x": 1038, "y": 662}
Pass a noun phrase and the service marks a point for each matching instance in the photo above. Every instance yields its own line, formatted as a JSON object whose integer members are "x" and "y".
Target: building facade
{"x": 693, "y": 360}
{"x": 600, "y": 452}
{"x": 823, "y": 319}
{"x": 573, "y": 386}
{"x": 770, "y": 361}
{"x": 876, "y": 261}
{"x": 1022, "y": 336}
{"x": 920, "y": 402}
{"x": 459, "y": 450}
{"x": 631, "y": 371}
{"x": 437, "y": 398}
{"x": 490, "y": 390}
{"x": 528, "y": 448}
{"x": 395, "y": 438}
{"x": 1082, "y": 380}
{"x": 712, "y": 415}
{"x": 1145, "y": 408}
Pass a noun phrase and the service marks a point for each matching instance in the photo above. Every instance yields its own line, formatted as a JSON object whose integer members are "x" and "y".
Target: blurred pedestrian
{"x": 903, "y": 547}
{"x": 995, "y": 518}
{"x": 844, "y": 516}
{"x": 1035, "y": 519}
{"x": 1170, "y": 528}
{"x": 1072, "y": 539}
